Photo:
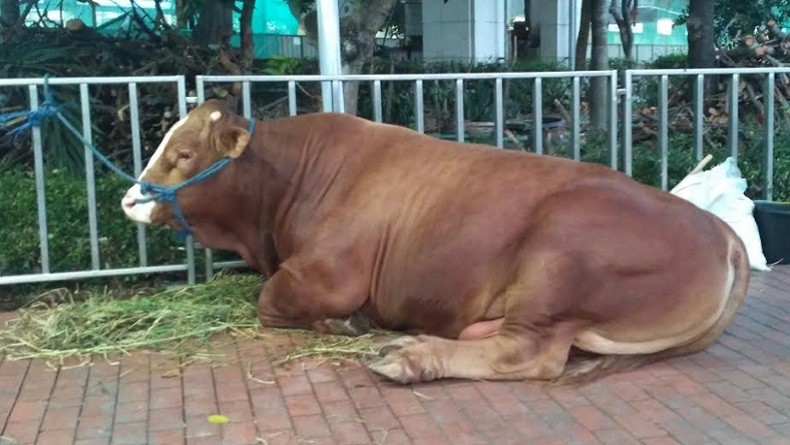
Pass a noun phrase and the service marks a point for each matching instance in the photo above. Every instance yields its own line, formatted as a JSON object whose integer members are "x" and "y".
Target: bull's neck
{"x": 273, "y": 178}
{"x": 266, "y": 171}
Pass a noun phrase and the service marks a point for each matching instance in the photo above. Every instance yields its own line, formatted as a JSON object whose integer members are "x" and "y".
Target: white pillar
{"x": 465, "y": 30}
{"x": 559, "y": 24}
{"x": 329, "y": 51}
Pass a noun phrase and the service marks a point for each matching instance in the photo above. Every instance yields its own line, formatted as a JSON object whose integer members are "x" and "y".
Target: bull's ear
{"x": 234, "y": 141}
{"x": 229, "y": 140}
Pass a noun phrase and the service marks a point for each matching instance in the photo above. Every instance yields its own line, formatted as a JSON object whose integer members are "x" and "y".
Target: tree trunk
{"x": 215, "y": 24}
{"x": 584, "y": 35}
{"x": 599, "y": 98}
{"x": 245, "y": 26}
{"x": 358, "y": 29}
{"x": 701, "y": 52}
{"x": 700, "y": 34}
{"x": 358, "y": 43}
{"x": 625, "y": 16}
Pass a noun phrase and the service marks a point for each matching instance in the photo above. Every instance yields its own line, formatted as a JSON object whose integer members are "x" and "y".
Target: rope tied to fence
{"x": 24, "y": 120}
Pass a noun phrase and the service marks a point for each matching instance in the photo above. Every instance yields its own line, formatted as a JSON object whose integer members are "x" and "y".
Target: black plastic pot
{"x": 773, "y": 222}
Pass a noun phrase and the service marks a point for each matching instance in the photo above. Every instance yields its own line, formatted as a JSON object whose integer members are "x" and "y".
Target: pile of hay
{"x": 181, "y": 321}
{"x": 103, "y": 323}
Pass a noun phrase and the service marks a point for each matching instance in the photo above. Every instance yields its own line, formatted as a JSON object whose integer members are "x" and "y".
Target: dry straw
{"x": 104, "y": 324}
{"x": 181, "y": 321}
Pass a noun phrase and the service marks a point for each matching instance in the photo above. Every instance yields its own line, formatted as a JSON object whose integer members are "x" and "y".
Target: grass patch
{"x": 103, "y": 323}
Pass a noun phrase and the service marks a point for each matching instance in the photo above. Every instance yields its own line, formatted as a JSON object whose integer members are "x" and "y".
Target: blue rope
{"x": 49, "y": 108}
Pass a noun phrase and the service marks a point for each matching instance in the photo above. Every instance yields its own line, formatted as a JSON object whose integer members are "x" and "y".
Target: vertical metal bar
{"x": 291, "y": 98}
{"x": 419, "y": 106}
{"x": 41, "y": 203}
{"x": 209, "y": 265}
{"x": 628, "y": 111}
{"x": 246, "y": 99}
{"x": 613, "y": 149}
{"x": 459, "y": 109}
{"x": 377, "y": 112}
{"x": 201, "y": 93}
{"x": 182, "y": 95}
{"x": 699, "y": 101}
{"x": 500, "y": 113}
{"x": 90, "y": 179}
{"x": 769, "y": 137}
{"x": 575, "y": 117}
{"x": 663, "y": 128}
{"x": 733, "y": 116}
{"x": 182, "y": 112}
{"x": 537, "y": 116}
{"x": 137, "y": 155}
{"x": 338, "y": 98}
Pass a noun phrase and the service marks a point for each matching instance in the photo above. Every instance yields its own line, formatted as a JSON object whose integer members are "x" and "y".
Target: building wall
{"x": 464, "y": 30}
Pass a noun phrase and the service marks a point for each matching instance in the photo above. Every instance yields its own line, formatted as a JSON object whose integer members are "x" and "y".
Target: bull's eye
{"x": 184, "y": 155}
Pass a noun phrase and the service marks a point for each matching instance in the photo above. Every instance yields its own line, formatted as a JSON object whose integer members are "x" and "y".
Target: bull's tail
{"x": 585, "y": 368}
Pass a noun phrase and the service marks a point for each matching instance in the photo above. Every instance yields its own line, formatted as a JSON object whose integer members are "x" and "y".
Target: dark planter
{"x": 773, "y": 222}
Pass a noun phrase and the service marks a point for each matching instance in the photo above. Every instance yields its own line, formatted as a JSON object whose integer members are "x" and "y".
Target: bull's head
{"x": 209, "y": 133}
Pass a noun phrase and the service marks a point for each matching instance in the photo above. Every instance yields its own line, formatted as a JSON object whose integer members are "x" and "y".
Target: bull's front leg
{"x": 317, "y": 298}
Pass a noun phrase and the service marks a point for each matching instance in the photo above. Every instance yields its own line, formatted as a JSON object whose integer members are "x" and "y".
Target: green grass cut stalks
{"x": 103, "y": 323}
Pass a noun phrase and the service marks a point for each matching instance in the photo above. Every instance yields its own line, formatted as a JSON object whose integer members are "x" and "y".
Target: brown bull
{"x": 503, "y": 261}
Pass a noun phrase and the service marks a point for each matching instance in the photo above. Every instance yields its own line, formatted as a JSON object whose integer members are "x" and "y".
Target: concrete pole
{"x": 329, "y": 50}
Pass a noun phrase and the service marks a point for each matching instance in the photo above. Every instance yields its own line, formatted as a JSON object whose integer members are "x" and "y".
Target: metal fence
{"x": 84, "y": 84}
{"x": 698, "y": 77}
{"x": 622, "y": 92}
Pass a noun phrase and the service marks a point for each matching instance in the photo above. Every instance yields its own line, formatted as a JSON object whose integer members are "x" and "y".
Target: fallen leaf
{"x": 218, "y": 419}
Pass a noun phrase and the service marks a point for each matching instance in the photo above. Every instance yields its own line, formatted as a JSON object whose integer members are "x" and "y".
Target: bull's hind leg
{"x": 515, "y": 353}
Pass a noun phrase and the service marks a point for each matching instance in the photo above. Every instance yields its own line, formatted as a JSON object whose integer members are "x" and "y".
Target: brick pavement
{"x": 735, "y": 392}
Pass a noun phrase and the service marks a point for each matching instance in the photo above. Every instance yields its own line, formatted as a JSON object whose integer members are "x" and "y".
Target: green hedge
{"x": 67, "y": 223}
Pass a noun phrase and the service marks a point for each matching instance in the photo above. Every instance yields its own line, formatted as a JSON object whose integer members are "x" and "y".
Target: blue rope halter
{"x": 49, "y": 108}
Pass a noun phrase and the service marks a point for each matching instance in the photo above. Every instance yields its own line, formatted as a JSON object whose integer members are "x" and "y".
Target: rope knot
{"x": 45, "y": 111}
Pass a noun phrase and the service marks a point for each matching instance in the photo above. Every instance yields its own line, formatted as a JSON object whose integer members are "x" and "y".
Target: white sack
{"x": 720, "y": 191}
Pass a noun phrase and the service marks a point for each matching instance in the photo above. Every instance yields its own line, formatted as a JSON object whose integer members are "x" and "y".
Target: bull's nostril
{"x": 128, "y": 203}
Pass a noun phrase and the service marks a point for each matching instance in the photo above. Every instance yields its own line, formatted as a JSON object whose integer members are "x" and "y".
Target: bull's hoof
{"x": 400, "y": 361}
{"x": 400, "y": 370}
{"x": 390, "y": 368}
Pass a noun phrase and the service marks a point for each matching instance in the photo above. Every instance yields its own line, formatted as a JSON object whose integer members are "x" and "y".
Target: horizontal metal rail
{"x": 88, "y": 80}
{"x": 76, "y": 275}
{"x": 406, "y": 77}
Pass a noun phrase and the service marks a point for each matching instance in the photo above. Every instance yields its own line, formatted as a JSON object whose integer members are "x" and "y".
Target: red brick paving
{"x": 735, "y": 392}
